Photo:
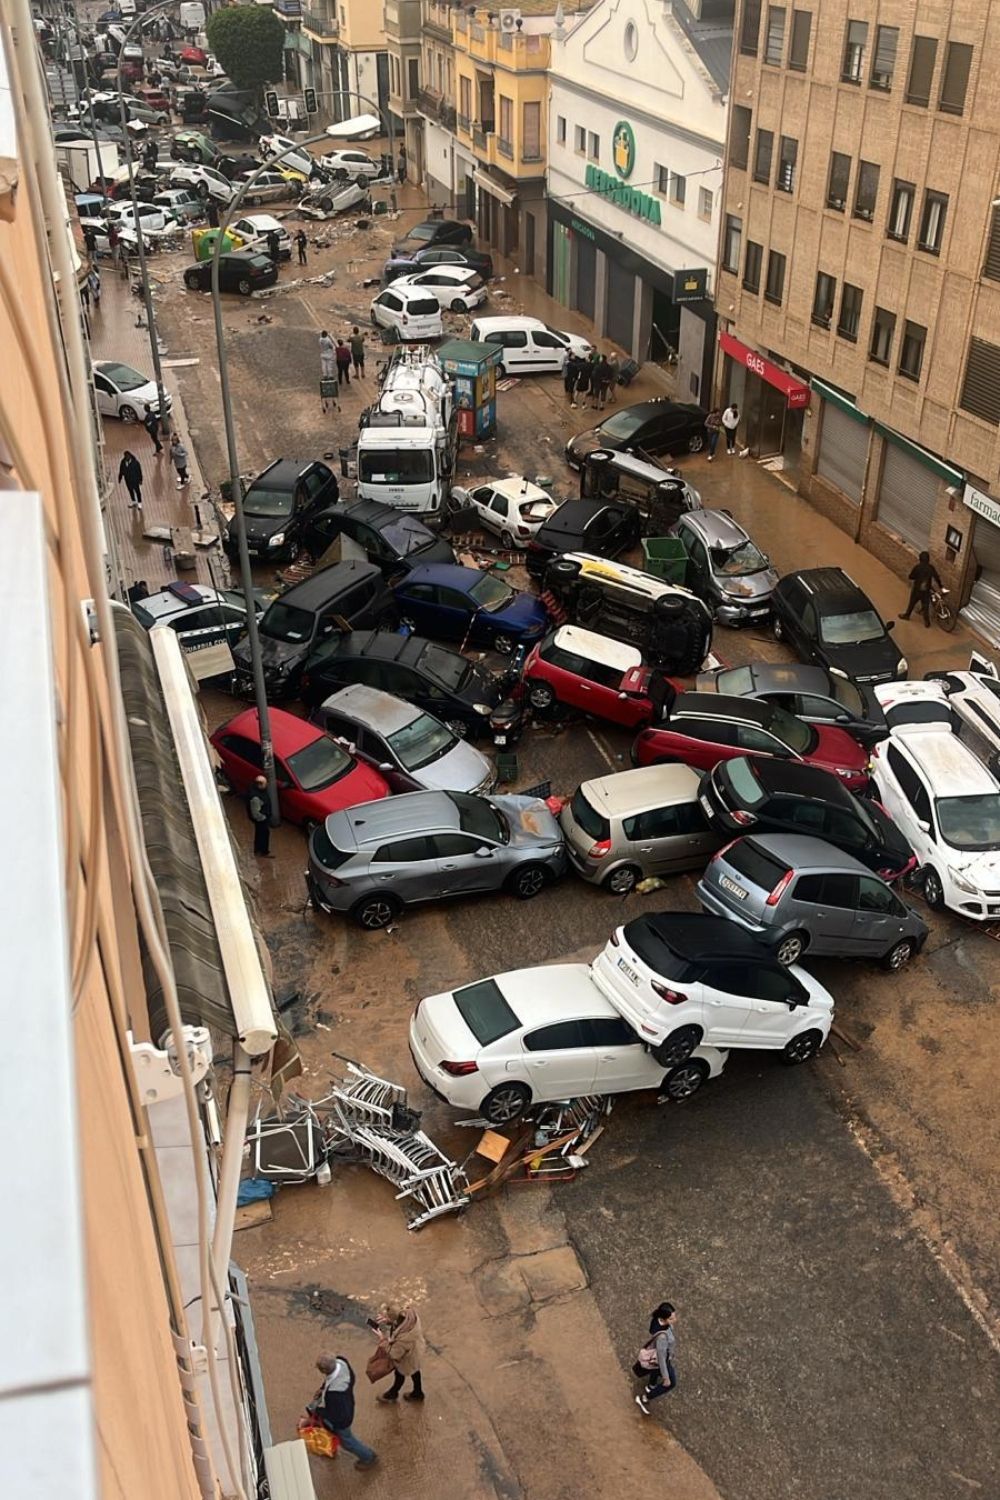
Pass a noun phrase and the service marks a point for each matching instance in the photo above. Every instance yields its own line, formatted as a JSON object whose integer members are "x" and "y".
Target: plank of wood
{"x": 493, "y": 1146}
{"x": 252, "y": 1214}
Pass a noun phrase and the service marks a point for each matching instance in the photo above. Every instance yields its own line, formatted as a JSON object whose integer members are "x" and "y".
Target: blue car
{"x": 463, "y": 604}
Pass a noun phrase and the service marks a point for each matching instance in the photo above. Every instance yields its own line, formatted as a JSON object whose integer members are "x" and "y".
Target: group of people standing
{"x": 130, "y": 469}
{"x": 336, "y": 360}
{"x": 594, "y": 376}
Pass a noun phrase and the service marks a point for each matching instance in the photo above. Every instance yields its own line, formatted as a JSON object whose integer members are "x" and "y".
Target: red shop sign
{"x": 796, "y": 394}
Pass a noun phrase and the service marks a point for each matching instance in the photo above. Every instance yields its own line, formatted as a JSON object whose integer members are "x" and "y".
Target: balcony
{"x": 323, "y": 27}
{"x": 290, "y": 9}
{"x": 504, "y": 148}
{"x": 462, "y": 121}
{"x": 402, "y": 20}
{"x": 510, "y": 49}
{"x": 481, "y": 134}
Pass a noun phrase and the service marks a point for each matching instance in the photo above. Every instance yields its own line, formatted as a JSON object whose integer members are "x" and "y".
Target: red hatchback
{"x": 702, "y": 729}
{"x": 315, "y": 776}
{"x": 590, "y": 672}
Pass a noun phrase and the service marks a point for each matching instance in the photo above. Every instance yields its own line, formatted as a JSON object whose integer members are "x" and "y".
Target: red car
{"x": 590, "y": 672}
{"x": 315, "y": 776}
{"x": 195, "y": 57}
{"x": 701, "y": 729}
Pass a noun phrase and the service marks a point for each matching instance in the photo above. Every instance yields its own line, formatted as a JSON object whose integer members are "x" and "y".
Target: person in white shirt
{"x": 730, "y": 422}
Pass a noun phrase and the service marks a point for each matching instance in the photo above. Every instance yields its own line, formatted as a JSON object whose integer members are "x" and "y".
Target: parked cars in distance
{"x": 529, "y": 346}
{"x": 589, "y": 526}
{"x": 725, "y": 568}
{"x": 412, "y": 749}
{"x": 499, "y": 1045}
{"x": 808, "y": 692}
{"x": 242, "y": 271}
{"x": 123, "y": 392}
{"x": 702, "y": 729}
{"x": 413, "y": 312}
{"x": 458, "y": 288}
{"x": 255, "y": 229}
{"x": 799, "y": 895}
{"x": 279, "y": 504}
{"x": 513, "y": 508}
{"x": 394, "y": 540}
{"x": 431, "y": 232}
{"x": 827, "y": 619}
{"x": 374, "y": 860}
{"x": 656, "y": 426}
{"x": 785, "y": 796}
{"x": 315, "y": 777}
{"x": 590, "y": 672}
{"x": 466, "y": 605}
{"x": 439, "y": 255}
{"x": 621, "y": 828}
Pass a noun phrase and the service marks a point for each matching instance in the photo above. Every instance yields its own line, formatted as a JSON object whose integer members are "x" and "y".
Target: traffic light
{"x": 310, "y": 98}
{"x": 271, "y": 102}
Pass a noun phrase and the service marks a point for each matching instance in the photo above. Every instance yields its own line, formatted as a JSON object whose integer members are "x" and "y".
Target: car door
{"x": 297, "y": 806}
{"x": 704, "y": 742}
{"x": 498, "y": 517}
{"x": 406, "y": 868}
{"x": 558, "y": 1060}
{"x": 906, "y": 800}
{"x": 387, "y": 309}
{"x": 242, "y": 761}
{"x": 107, "y": 396}
{"x": 669, "y": 838}
{"x": 768, "y": 991}
{"x": 518, "y": 359}
{"x": 833, "y": 907}
{"x": 452, "y": 614}
{"x": 818, "y": 710}
{"x": 623, "y": 1063}
{"x": 752, "y": 740}
{"x": 700, "y": 578}
{"x": 482, "y": 497}
{"x": 546, "y": 351}
{"x": 880, "y": 918}
{"x": 724, "y": 1003}
{"x": 790, "y": 600}
{"x": 466, "y": 863}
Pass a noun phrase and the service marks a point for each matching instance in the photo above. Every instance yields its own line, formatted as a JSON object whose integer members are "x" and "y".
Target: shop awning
{"x": 491, "y": 186}
{"x": 796, "y": 394}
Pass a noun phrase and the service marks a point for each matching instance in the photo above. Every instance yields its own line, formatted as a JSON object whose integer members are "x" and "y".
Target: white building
{"x": 637, "y": 127}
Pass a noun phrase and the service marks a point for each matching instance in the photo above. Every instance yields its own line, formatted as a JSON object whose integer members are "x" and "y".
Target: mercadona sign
{"x": 631, "y": 199}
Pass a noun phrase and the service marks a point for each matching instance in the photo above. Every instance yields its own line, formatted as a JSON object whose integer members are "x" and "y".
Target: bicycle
{"x": 942, "y": 610}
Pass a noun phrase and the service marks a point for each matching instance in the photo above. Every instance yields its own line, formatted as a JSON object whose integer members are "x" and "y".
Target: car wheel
{"x": 621, "y": 881}
{"x": 373, "y": 912}
{"x": 680, "y": 1083}
{"x": 374, "y": 321}
{"x": 565, "y": 569}
{"x": 899, "y": 955}
{"x": 201, "y": 188}
{"x": 696, "y": 442}
{"x": 506, "y": 1102}
{"x": 458, "y": 728}
{"x": 791, "y": 948}
{"x": 540, "y": 696}
{"x": 458, "y": 305}
{"x": 361, "y": 180}
{"x": 678, "y": 1046}
{"x": 802, "y": 1047}
{"x": 506, "y": 540}
{"x": 128, "y": 414}
{"x": 407, "y": 620}
{"x": 254, "y": 202}
{"x": 504, "y": 644}
{"x": 528, "y": 881}
{"x": 243, "y": 287}
{"x": 192, "y": 280}
{"x": 777, "y": 629}
{"x": 933, "y": 889}
{"x": 326, "y": 204}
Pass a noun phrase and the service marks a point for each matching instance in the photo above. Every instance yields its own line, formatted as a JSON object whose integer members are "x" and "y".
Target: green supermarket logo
{"x": 623, "y": 148}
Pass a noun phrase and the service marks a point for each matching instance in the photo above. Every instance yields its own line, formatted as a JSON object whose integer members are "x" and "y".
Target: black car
{"x": 439, "y": 255}
{"x": 654, "y": 427}
{"x": 827, "y": 619}
{"x": 346, "y": 596}
{"x": 780, "y": 796}
{"x": 431, "y": 232}
{"x": 232, "y": 167}
{"x": 278, "y": 506}
{"x": 393, "y": 540}
{"x": 242, "y": 271}
{"x": 810, "y": 693}
{"x": 441, "y": 682}
{"x": 583, "y": 526}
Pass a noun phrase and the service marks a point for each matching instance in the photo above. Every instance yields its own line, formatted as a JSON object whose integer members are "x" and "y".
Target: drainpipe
{"x": 233, "y": 1137}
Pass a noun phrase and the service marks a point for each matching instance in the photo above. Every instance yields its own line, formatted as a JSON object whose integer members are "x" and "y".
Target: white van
{"x": 529, "y": 345}
{"x": 413, "y": 311}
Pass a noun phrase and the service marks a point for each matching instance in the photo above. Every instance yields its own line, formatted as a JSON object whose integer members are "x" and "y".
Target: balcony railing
{"x": 291, "y": 9}
{"x": 319, "y": 24}
{"x": 462, "y": 121}
{"x": 481, "y": 132}
{"x": 505, "y": 148}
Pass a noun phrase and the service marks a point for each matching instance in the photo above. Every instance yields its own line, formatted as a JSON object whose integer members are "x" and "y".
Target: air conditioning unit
{"x": 510, "y": 20}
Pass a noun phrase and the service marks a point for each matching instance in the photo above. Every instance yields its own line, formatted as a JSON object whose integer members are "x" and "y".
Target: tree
{"x": 248, "y": 41}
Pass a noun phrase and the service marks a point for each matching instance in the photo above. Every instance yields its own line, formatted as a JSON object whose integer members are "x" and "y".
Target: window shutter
{"x": 957, "y": 62}
{"x": 991, "y": 267}
{"x": 918, "y": 90}
{"x": 981, "y": 386}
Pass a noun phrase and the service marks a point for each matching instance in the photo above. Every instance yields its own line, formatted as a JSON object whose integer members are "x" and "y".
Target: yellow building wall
{"x": 362, "y": 25}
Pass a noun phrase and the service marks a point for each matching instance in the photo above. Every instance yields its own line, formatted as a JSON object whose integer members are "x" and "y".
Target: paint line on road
{"x": 604, "y": 750}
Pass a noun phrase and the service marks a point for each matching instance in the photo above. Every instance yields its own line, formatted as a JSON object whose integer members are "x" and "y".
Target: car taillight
{"x": 744, "y": 819}
{"x": 524, "y": 531}
{"x": 672, "y": 997}
{"x": 780, "y": 888}
{"x": 600, "y": 849}
{"x": 459, "y": 1069}
{"x": 724, "y": 850}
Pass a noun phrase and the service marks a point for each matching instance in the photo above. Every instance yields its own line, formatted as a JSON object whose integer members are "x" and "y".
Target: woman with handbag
{"x": 402, "y": 1340}
{"x": 655, "y": 1360}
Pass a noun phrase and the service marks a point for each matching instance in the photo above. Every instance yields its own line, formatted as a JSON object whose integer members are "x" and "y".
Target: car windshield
{"x": 421, "y": 742}
{"x": 851, "y": 629}
{"x": 737, "y": 562}
{"x": 421, "y": 232}
{"x": 741, "y": 777}
{"x": 992, "y": 684}
{"x": 558, "y": 334}
{"x": 587, "y": 818}
{"x": 485, "y": 1011}
{"x": 406, "y": 535}
{"x": 915, "y": 712}
{"x": 490, "y": 594}
{"x": 479, "y": 816}
{"x": 319, "y": 764}
{"x": 396, "y": 466}
{"x": 446, "y": 667}
{"x": 795, "y": 733}
{"x": 283, "y": 622}
{"x": 263, "y": 502}
{"x": 737, "y": 682}
{"x": 848, "y": 696}
{"x": 124, "y": 377}
{"x": 971, "y": 823}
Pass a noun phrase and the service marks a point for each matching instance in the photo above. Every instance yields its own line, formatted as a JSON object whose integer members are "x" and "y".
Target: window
{"x": 774, "y": 44}
{"x": 883, "y": 332}
{"x": 798, "y": 47}
{"x": 404, "y": 851}
{"x": 594, "y": 146}
{"x": 788, "y": 155}
{"x": 826, "y": 290}
{"x": 752, "y": 265}
{"x": 560, "y": 130}
{"x": 932, "y": 222}
{"x": 866, "y": 191}
{"x": 732, "y": 241}
{"x": 485, "y": 1011}
{"x": 413, "y": 76}
{"x": 991, "y": 265}
{"x": 531, "y": 132}
{"x": 922, "y": 59}
{"x": 561, "y": 1036}
{"x": 855, "y": 39}
{"x": 762, "y": 155}
{"x": 981, "y": 386}
{"x": 662, "y": 179}
{"x": 874, "y": 896}
{"x": 739, "y": 139}
{"x": 506, "y": 122}
{"x": 911, "y": 354}
{"x": 750, "y": 30}
{"x": 901, "y": 210}
{"x": 706, "y": 202}
{"x": 955, "y": 78}
{"x": 678, "y": 189}
{"x": 884, "y": 60}
{"x": 840, "y": 179}
{"x": 774, "y": 287}
{"x": 580, "y": 140}
{"x": 465, "y": 101}
{"x": 850, "y": 312}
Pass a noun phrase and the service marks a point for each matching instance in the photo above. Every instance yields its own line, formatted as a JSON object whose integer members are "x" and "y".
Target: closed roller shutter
{"x": 907, "y": 496}
{"x": 621, "y": 305}
{"x": 586, "y": 276}
{"x": 983, "y": 609}
{"x": 843, "y": 451}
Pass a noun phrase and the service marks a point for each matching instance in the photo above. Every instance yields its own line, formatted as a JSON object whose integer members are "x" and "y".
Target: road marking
{"x": 605, "y": 751}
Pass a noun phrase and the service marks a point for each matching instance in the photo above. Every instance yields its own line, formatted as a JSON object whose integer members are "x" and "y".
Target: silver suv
{"x": 621, "y": 828}
{"x": 372, "y": 860}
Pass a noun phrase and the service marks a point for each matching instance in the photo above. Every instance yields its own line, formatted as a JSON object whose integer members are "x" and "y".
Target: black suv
{"x": 775, "y": 796}
{"x": 826, "y": 618}
{"x": 583, "y": 526}
{"x": 393, "y": 540}
{"x": 459, "y": 692}
{"x": 345, "y": 596}
{"x": 278, "y": 504}
{"x": 657, "y": 426}
{"x": 431, "y": 232}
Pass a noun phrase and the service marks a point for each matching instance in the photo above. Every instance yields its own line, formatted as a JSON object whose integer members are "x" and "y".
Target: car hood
{"x": 463, "y": 768}
{"x": 260, "y": 528}
{"x": 276, "y": 656}
{"x": 589, "y": 442}
{"x": 981, "y": 870}
{"x": 867, "y": 659}
{"x": 437, "y": 550}
{"x": 835, "y": 747}
{"x": 750, "y": 587}
{"x": 523, "y": 612}
{"x": 893, "y": 840}
{"x": 363, "y": 784}
{"x": 531, "y": 822}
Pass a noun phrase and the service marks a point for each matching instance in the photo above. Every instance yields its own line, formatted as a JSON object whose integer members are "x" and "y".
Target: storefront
{"x": 910, "y": 485}
{"x": 982, "y": 611}
{"x": 772, "y": 402}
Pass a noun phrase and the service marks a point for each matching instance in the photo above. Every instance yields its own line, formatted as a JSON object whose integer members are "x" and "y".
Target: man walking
{"x": 571, "y": 370}
{"x": 401, "y": 166}
{"x": 130, "y": 470}
{"x": 151, "y": 422}
{"x": 274, "y": 245}
{"x": 343, "y": 354}
{"x": 713, "y": 426}
{"x": 300, "y": 244}
{"x": 922, "y": 577}
{"x": 259, "y": 813}
{"x": 730, "y": 422}
{"x": 358, "y": 351}
{"x": 179, "y": 459}
{"x": 335, "y": 1406}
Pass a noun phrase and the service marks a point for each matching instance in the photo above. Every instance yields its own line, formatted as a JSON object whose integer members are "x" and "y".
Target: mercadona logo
{"x": 623, "y": 149}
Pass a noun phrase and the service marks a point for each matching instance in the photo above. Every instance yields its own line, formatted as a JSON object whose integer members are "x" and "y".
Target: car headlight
{"x": 276, "y": 540}
{"x": 483, "y": 708}
{"x": 904, "y": 665}
{"x": 838, "y": 672}
{"x": 963, "y": 884}
{"x": 842, "y": 772}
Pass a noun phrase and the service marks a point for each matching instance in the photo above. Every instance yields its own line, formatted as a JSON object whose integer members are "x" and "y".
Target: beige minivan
{"x": 623, "y": 827}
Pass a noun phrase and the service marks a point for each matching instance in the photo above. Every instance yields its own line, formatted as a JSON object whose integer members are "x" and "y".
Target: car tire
{"x": 677, "y": 1047}
{"x": 777, "y": 629}
{"x": 243, "y": 287}
{"x": 201, "y": 188}
{"x": 791, "y": 948}
{"x": 623, "y": 881}
{"x": 696, "y": 442}
{"x": 933, "y": 889}
{"x": 128, "y": 414}
{"x": 540, "y": 696}
{"x": 564, "y": 569}
{"x": 506, "y": 540}
{"x": 253, "y": 202}
{"x": 527, "y": 882}
{"x": 375, "y": 912}
{"x": 680, "y": 1083}
{"x": 374, "y": 321}
{"x": 505, "y": 1103}
{"x": 458, "y": 728}
{"x": 458, "y": 305}
{"x": 326, "y": 204}
{"x": 361, "y": 180}
{"x": 899, "y": 955}
{"x": 504, "y": 644}
{"x": 801, "y": 1048}
{"x": 192, "y": 281}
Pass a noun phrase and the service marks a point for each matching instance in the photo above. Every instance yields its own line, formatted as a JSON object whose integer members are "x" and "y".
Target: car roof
{"x": 654, "y": 407}
{"x": 283, "y": 472}
{"x": 697, "y": 935}
{"x": 598, "y": 648}
{"x": 516, "y": 487}
{"x": 803, "y": 853}
{"x": 789, "y": 677}
{"x": 714, "y": 527}
{"x": 262, "y": 221}
{"x": 326, "y": 583}
{"x": 451, "y": 574}
{"x": 572, "y": 515}
{"x": 288, "y": 732}
{"x": 722, "y": 706}
{"x": 827, "y": 584}
{"x": 385, "y": 645}
{"x": 511, "y": 320}
{"x": 372, "y": 708}
{"x": 625, "y": 792}
{"x": 408, "y": 813}
{"x": 622, "y": 573}
{"x": 949, "y": 766}
{"x": 627, "y": 463}
{"x": 165, "y": 603}
{"x": 404, "y": 289}
{"x": 799, "y": 779}
{"x": 553, "y": 992}
{"x": 374, "y": 512}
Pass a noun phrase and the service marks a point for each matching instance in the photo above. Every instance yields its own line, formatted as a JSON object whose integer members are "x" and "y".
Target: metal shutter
{"x": 586, "y": 276}
{"x": 981, "y": 386}
{"x": 843, "y": 451}
{"x": 907, "y": 496}
{"x": 983, "y": 609}
{"x": 991, "y": 265}
{"x": 621, "y": 305}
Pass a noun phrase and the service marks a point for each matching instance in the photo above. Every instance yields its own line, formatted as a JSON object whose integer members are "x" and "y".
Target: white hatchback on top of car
{"x": 514, "y": 508}
{"x": 535, "y": 1035}
{"x": 351, "y": 165}
{"x": 292, "y": 156}
{"x": 254, "y": 230}
{"x": 459, "y": 288}
{"x": 413, "y": 311}
{"x": 528, "y": 344}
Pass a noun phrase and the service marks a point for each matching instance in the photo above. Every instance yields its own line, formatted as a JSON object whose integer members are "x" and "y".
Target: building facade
{"x": 432, "y": 159}
{"x": 637, "y": 125}
{"x": 860, "y": 258}
{"x": 403, "y": 42}
{"x": 350, "y": 59}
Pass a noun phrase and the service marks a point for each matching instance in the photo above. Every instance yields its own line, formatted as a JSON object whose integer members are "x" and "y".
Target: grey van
{"x": 621, "y": 828}
{"x": 725, "y": 568}
{"x": 801, "y": 896}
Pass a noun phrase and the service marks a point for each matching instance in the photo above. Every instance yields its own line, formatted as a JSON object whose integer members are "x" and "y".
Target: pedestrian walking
{"x": 179, "y": 459}
{"x": 151, "y": 422}
{"x": 571, "y": 370}
{"x": 713, "y": 426}
{"x": 402, "y": 1338}
{"x": 130, "y": 470}
{"x": 301, "y": 244}
{"x": 274, "y": 245}
{"x": 655, "y": 1361}
{"x": 327, "y": 356}
{"x": 259, "y": 813}
{"x": 401, "y": 165}
{"x": 600, "y": 382}
{"x": 94, "y": 282}
{"x": 343, "y": 353}
{"x": 730, "y": 422}
{"x": 358, "y": 351}
{"x": 90, "y": 240}
{"x": 615, "y": 368}
{"x": 584, "y": 371}
{"x": 922, "y": 577}
{"x": 334, "y": 1405}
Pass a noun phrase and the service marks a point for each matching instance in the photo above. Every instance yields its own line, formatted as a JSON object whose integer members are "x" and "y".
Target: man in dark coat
{"x": 922, "y": 577}
{"x": 259, "y": 812}
{"x": 335, "y": 1406}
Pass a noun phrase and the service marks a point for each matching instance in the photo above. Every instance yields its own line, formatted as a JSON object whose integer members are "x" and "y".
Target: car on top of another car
{"x": 809, "y": 692}
{"x": 467, "y": 605}
{"x": 655, "y": 426}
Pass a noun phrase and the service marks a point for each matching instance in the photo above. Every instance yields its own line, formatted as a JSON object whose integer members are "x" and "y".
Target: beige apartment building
{"x": 859, "y": 272}
{"x": 346, "y": 55}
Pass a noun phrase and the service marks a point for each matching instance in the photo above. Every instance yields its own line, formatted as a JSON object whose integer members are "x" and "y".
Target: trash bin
{"x": 665, "y": 557}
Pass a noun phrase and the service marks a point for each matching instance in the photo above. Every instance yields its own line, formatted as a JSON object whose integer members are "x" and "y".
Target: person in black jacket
{"x": 922, "y": 577}
{"x": 130, "y": 470}
{"x": 334, "y": 1405}
{"x": 259, "y": 813}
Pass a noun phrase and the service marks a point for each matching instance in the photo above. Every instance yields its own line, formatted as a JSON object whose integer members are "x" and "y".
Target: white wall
{"x": 439, "y": 148}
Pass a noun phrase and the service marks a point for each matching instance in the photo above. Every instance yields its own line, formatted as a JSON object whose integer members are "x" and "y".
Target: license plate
{"x": 500, "y": 740}
{"x": 628, "y": 971}
{"x": 705, "y": 805}
{"x": 732, "y": 887}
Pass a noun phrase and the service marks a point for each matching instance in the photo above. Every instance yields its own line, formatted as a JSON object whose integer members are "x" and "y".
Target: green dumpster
{"x": 665, "y": 557}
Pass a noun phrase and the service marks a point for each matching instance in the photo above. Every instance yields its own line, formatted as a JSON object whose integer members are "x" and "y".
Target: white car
{"x": 181, "y": 203}
{"x": 358, "y": 128}
{"x": 151, "y": 216}
{"x": 529, "y": 345}
{"x": 293, "y": 157}
{"x": 975, "y": 697}
{"x": 413, "y": 312}
{"x": 459, "y": 288}
{"x": 682, "y": 980}
{"x": 271, "y": 187}
{"x": 123, "y": 392}
{"x": 536, "y": 1035}
{"x": 353, "y": 166}
{"x": 206, "y": 181}
{"x": 331, "y": 198}
{"x": 255, "y": 228}
{"x": 513, "y": 508}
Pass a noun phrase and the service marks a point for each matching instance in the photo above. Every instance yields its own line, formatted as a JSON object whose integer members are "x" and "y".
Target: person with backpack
{"x": 655, "y": 1360}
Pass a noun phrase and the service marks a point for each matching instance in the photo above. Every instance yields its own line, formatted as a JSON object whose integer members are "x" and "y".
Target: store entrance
{"x": 664, "y": 335}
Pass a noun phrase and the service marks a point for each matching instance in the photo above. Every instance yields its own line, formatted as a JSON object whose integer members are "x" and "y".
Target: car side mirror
{"x": 386, "y": 765}
{"x": 622, "y": 697}
{"x": 923, "y": 825}
{"x": 843, "y": 718}
{"x": 890, "y": 625}
{"x": 484, "y": 853}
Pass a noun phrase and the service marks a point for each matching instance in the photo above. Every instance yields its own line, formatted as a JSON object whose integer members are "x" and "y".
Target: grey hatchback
{"x": 372, "y": 860}
{"x": 798, "y": 894}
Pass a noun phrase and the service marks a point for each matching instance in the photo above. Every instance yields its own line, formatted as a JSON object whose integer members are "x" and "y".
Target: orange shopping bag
{"x": 317, "y": 1438}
